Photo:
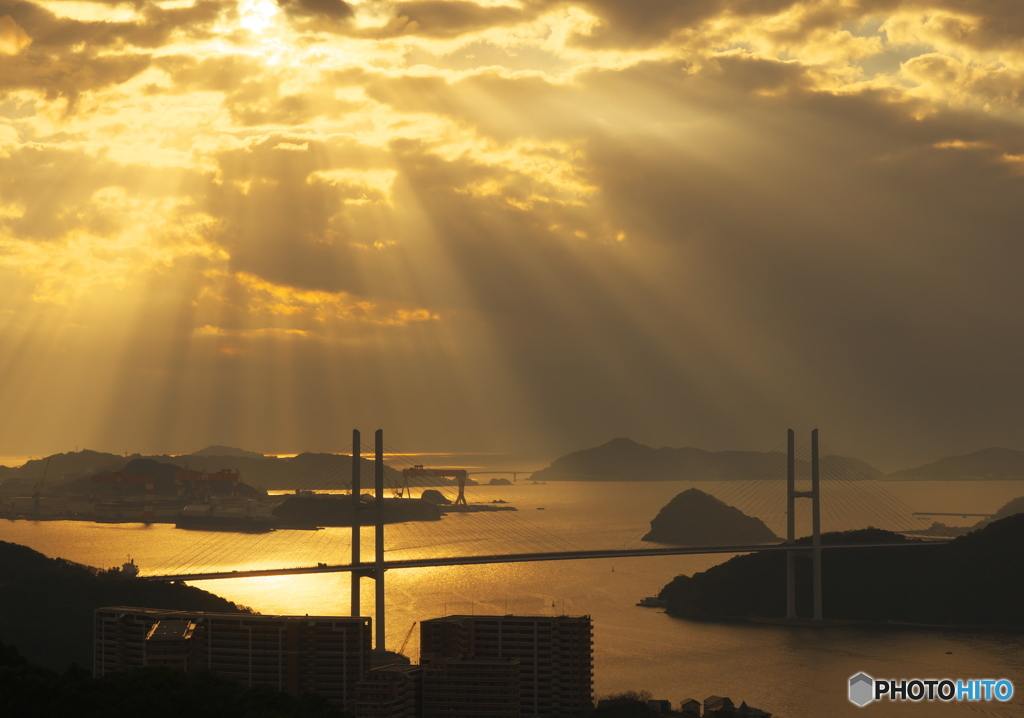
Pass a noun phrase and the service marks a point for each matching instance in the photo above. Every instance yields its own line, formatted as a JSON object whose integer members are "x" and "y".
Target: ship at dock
{"x": 243, "y": 517}
{"x": 306, "y": 508}
{"x": 207, "y": 512}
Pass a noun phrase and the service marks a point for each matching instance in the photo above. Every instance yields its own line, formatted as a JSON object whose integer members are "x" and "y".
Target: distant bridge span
{"x": 367, "y": 568}
{"x": 939, "y": 513}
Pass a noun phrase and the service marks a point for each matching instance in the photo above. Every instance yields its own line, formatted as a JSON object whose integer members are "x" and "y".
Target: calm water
{"x": 792, "y": 672}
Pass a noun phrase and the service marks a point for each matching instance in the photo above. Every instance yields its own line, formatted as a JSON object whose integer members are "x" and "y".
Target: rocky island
{"x": 694, "y": 518}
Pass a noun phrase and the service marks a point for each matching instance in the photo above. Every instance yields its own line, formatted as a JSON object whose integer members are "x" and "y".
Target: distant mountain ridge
{"x": 987, "y": 464}
{"x": 218, "y": 450}
{"x": 617, "y": 460}
{"x": 627, "y": 460}
{"x": 317, "y": 471}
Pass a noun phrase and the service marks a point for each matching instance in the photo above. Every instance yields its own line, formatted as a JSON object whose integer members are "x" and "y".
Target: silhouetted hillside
{"x": 218, "y": 450}
{"x": 164, "y": 482}
{"x": 63, "y": 467}
{"x": 46, "y": 604}
{"x": 976, "y": 579}
{"x": 305, "y": 471}
{"x": 985, "y": 464}
{"x": 694, "y": 518}
{"x": 627, "y": 460}
{"x": 73, "y": 470}
{"x": 1010, "y": 508}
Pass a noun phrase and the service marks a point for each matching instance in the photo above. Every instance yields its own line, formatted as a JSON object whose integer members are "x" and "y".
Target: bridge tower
{"x": 376, "y": 569}
{"x": 791, "y": 496}
{"x": 378, "y": 541}
{"x": 357, "y": 556}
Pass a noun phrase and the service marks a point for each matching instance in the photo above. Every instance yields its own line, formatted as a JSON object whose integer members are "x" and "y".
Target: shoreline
{"x": 852, "y": 623}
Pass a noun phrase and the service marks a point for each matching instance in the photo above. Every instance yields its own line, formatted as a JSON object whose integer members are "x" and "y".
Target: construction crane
{"x": 403, "y": 489}
{"x": 459, "y": 474}
{"x": 407, "y": 637}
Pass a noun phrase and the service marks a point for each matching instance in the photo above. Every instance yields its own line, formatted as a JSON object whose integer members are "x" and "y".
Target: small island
{"x": 695, "y": 518}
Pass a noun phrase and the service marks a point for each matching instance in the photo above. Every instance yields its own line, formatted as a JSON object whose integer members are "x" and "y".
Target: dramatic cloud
{"x": 13, "y": 39}
{"x": 501, "y": 226}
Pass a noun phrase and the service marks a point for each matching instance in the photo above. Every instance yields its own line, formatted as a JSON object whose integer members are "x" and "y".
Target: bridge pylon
{"x": 378, "y": 540}
{"x": 791, "y": 496}
{"x": 356, "y": 522}
{"x": 376, "y": 569}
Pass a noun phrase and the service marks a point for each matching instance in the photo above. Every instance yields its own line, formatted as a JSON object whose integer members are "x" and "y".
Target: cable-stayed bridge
{"x": 367, "y": 568}
{"x": 842, "y": 498}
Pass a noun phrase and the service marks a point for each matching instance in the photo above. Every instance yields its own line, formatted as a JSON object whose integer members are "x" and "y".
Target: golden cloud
{"x": 249, "y": 306}
{"x": 13, "y": 39}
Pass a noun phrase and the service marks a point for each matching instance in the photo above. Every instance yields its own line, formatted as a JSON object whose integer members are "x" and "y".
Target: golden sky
{"x": 525, "y": 226}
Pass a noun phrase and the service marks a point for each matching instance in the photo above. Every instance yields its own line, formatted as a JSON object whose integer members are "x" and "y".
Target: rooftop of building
{"x": 171, "y": 631}
{"x": 506, "y": 617}
{"x": 396, "y": 668}
{"x": 236, "y": 616}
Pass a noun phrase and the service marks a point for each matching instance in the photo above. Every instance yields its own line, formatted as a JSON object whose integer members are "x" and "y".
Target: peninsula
{"x": 974, "y": 580}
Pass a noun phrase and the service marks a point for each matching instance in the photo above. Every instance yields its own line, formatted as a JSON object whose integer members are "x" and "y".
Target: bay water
{"x": 790, "y": 671}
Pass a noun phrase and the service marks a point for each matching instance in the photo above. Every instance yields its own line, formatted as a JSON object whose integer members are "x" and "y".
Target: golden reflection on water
{"x": 635, "y": 647}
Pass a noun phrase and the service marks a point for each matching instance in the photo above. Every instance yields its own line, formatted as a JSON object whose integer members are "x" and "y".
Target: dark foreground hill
{"x": 46, "y": 604}
{"x": 627, "y": 460}
{"x": 694, "y": 518}
{"x": 30, "y": 691}
{"x": 976, "y": 579}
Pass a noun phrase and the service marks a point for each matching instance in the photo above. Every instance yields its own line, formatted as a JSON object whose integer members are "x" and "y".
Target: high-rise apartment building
{"x": 394, "y": 691}
{"x": 325, "y": 654}
{"x": 472, "y": 688}
{"x": 555, "y": 655}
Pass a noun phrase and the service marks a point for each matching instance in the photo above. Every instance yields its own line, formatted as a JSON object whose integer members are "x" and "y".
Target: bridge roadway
{"x": 368, "y": 567}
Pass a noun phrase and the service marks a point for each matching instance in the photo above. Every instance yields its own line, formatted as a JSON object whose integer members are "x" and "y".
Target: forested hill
{"x": 976, "y": 579}
{"x": 46, "y": 604}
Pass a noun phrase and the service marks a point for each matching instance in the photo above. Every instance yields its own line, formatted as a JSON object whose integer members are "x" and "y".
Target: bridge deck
{"x": 939, "y": 513}
{"x": 368, "y": 567}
